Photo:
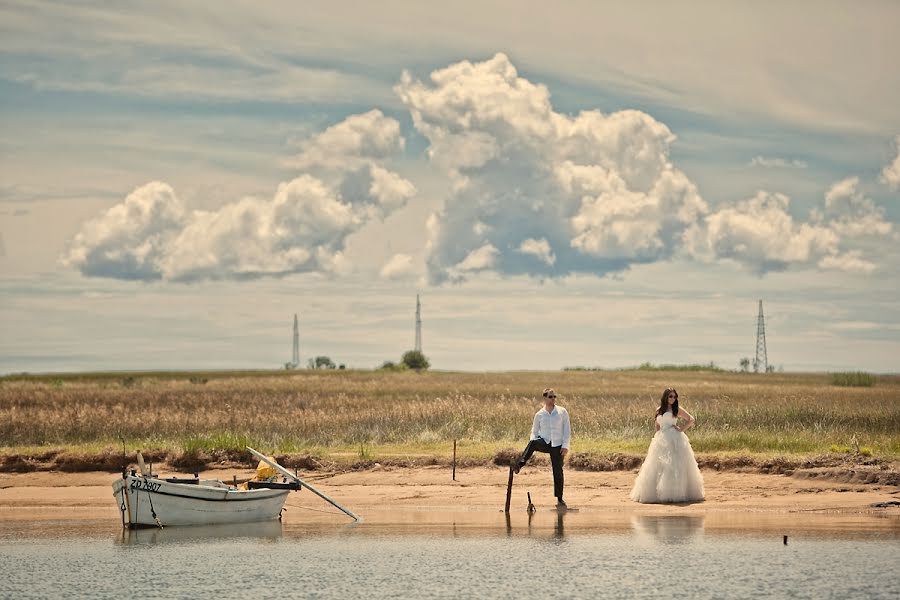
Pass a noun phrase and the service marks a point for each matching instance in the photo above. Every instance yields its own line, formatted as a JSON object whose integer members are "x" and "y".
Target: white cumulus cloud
{"x": 542, "y": 193}
{"x": 890, "y": 175}
{"x": 398, "y": 267}
{"x": 850, "y": 213}
{"x": 130, "y": 239}
{"x": 761, "y": 234}
{"x": 540, "y": 249}
{"x": 302, "y": 228}
{"x": 598, "y": 189}
{"x": 477, "y": 260}
{"x": 357, "y": 140}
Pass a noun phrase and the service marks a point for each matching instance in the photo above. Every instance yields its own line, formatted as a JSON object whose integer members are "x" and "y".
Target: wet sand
{"x": 427, "y": 497}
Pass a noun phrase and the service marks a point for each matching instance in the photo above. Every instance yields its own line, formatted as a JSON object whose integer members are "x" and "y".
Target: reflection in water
{"x": 560, "y": 531}
{"x": 376, "y": 561}
{"x": 668, "y": 530}
{"x": 266, "y": 530}
{"x": 538, "y": 525}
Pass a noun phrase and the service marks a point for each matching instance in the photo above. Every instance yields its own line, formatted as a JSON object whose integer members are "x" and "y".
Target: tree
{"x": 414, "y": 359}
{"x": 323, "y": 362}
{"x": 745, "y": 364}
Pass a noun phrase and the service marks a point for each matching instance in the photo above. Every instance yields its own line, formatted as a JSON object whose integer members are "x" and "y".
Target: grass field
{"x": 373, "y": 415}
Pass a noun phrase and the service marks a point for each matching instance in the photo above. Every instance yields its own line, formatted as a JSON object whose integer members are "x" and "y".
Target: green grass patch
{"x": 853, "y": 379}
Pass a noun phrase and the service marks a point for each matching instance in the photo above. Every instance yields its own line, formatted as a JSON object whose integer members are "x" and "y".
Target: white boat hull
{"x": 206, "y": 503}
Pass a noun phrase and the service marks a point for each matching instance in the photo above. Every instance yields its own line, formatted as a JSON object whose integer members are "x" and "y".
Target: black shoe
{"x": 560, "y": 505}
{"x": 517, "y": 467}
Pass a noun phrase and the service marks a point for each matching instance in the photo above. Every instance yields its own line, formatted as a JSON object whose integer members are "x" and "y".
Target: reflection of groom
{"x": 551, "y": 432}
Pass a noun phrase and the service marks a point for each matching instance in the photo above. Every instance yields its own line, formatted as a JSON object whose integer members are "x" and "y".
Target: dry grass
{"x": 369, "y": 415}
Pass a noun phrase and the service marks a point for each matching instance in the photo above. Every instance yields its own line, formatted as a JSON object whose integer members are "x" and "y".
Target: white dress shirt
{"x": 553, "y": 427}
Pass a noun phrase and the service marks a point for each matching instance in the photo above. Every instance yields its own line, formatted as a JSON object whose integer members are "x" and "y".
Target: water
{"x": 546, "y": 557}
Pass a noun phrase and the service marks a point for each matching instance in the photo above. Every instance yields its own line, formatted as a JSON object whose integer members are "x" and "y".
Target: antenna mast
{"x": 761, "y": 359}
{"x": 418, "y": 324}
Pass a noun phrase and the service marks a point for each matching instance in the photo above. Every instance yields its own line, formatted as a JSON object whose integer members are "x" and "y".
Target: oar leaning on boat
{"x": 287, "y": 473}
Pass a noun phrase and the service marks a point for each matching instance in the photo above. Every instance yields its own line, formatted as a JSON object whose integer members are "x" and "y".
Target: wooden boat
{"x": 146, "y": 500}
{"x": 155, "y": 502}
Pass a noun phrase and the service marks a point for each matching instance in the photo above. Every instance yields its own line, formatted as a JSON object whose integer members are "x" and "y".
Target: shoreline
{"x": 428, "y": 497}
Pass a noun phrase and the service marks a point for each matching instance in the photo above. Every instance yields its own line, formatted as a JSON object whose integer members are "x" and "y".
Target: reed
{"x": 374, "y": 413}
{"x": 853, "y": 379}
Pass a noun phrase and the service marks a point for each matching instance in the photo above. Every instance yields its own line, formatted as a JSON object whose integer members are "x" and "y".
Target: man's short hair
{"x": 549, "y": 392}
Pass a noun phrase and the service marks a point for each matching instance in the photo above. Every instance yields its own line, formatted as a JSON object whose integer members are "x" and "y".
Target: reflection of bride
{"x": 669, "y": 472}
{"x": 669, "y": 529}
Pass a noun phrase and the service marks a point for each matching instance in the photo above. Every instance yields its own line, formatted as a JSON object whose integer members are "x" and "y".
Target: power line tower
{"x": 295, "y": 357}
{"x": 418, "y": 324}
{"x": 761, "y": 359}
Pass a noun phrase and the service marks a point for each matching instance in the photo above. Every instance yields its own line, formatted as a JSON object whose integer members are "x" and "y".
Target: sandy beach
{"x": 427, "y": 496}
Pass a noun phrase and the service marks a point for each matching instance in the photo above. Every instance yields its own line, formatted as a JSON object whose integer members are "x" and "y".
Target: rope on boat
{"x": 153, "y": 512}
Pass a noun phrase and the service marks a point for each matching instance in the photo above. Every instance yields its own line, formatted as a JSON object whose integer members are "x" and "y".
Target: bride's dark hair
{"x": 664, "y": 403}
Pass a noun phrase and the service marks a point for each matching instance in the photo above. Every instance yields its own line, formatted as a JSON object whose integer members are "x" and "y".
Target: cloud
{"x": 355, "y": 141}
{"x": 775, "y": 162}
{"x": 540, "y": 249}
{"x": 761, "y": 234}
{"x": 131, "y": 239}
{"x": 398, "y": 267}
{"x": 850, "y": 213}
{"x": 851, "y": 262}
{"x": 480, "y": 259}
{"x": 541, "y": 193}
{"x": 890, "y": 175}
{"x": 590, "y": 193}
{"x": 302, "y": 228}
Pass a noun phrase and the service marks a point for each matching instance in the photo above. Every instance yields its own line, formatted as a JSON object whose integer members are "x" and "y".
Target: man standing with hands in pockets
{"x": 551, "y": 432}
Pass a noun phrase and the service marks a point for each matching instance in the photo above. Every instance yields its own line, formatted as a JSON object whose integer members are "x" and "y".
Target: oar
{"x": 287, "y": 473}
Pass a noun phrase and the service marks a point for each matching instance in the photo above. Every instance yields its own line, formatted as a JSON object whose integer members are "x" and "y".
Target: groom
{"x": 551, "y": 432}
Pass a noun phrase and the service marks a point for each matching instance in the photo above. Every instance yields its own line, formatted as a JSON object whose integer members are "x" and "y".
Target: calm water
{"x": 552, "y": 557}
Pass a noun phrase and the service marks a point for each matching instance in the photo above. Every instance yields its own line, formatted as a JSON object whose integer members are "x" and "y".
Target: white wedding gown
{"x": 670, "y": 472}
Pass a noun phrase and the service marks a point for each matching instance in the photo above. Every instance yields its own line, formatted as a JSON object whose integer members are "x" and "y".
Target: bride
{"x": 669, "y": 472}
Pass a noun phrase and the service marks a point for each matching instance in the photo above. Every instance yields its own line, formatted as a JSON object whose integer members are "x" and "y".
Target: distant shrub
{"x": 390, "y": 365}
{"x": 853, "y": 379}
{"x": 647, "y": 366}
{"x": 865, "y": 451}
{"x": 414, "y": 359}
{"x": 840, "y": 449}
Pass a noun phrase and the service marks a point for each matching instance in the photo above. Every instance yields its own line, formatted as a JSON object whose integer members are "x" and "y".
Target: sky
{"x": 595, "y": 184}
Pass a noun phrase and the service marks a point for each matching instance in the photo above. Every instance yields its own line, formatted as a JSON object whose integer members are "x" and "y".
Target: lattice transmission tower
{"x": 761, "y": 360}
{"x": 295, "y": 357}
{"x": 418, "y": 324}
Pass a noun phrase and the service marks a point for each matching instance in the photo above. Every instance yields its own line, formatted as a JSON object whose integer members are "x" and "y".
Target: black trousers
{"x": 556, "y": 460}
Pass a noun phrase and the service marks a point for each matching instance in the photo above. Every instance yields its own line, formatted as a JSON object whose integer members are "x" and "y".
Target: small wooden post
{"x": 454, "y": 460}
{"x": 785, "y": 540}
{"x": 509, "y": 489}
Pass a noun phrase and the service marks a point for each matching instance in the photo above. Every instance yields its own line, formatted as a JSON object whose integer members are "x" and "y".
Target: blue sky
{"x": 593, "y": 184}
